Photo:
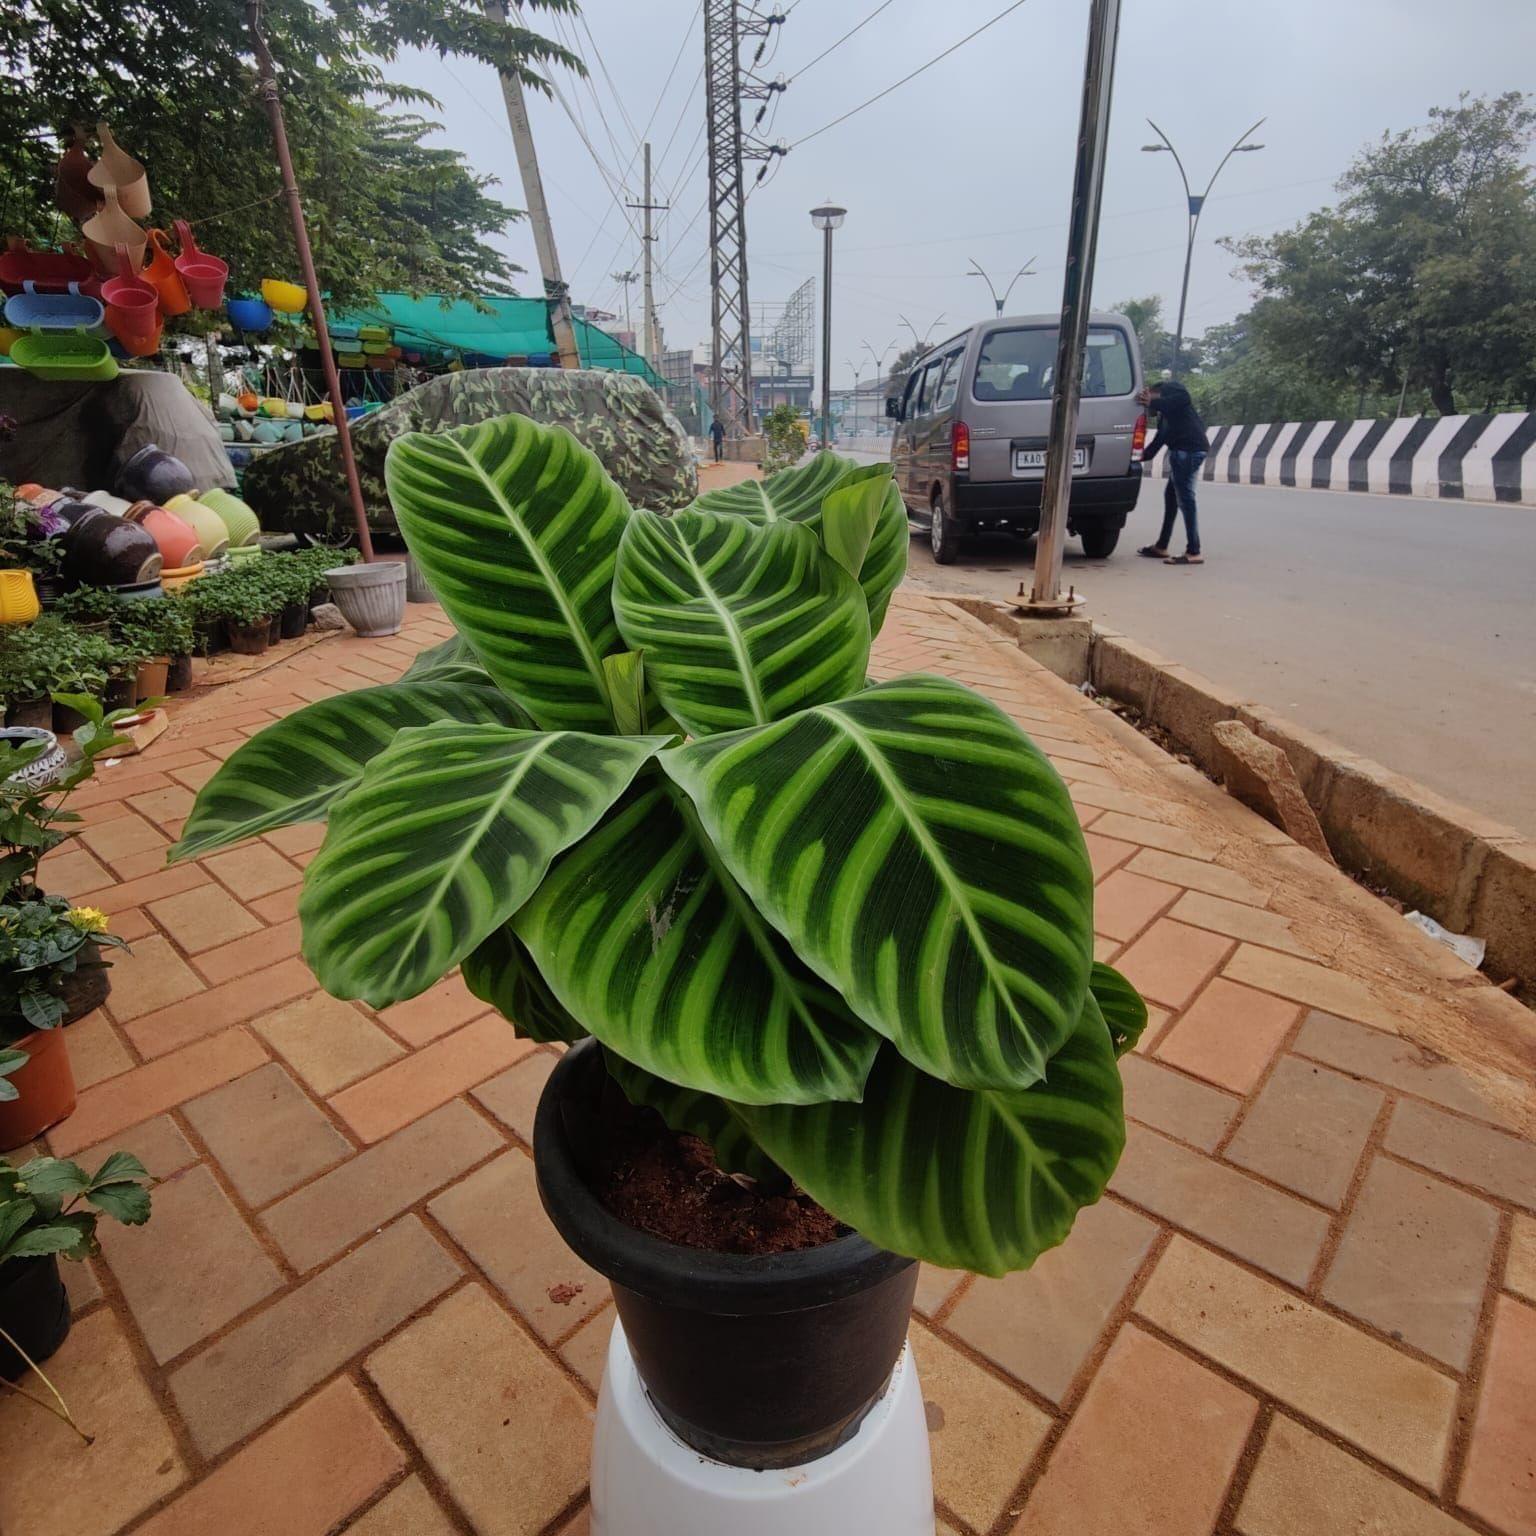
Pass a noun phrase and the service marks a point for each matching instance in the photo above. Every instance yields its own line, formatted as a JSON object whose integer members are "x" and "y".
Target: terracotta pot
{"x": 249, "y": 639}
{"x": 178, "y": 677}
{"x": 45, "y": 1089}
{"x": 176, "y": 538}
{"x": 151, "y": 682}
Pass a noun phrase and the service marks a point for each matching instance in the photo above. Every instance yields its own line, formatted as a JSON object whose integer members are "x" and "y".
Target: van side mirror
{"x": 893, "y": 407}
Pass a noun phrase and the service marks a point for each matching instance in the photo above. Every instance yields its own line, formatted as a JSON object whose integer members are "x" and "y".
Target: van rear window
{"x": 1020, "y": 363}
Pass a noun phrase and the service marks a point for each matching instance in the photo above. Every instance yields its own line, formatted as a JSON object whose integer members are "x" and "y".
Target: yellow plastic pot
{"x": 9, "y": 335}
{"x": 272, "y": 406}
{"x": 18, "y": 598}
{"x": 287, "y": 298}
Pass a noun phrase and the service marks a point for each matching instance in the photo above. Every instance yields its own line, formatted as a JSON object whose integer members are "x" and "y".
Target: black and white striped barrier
{"x": 1470, "y": 458}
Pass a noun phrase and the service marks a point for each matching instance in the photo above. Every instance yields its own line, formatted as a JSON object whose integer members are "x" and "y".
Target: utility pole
{"x": 555, "y": 291}
{"x": 1045, "y": 597}
{"x": 650, "y": 349}
{"x": 627, "y": 279}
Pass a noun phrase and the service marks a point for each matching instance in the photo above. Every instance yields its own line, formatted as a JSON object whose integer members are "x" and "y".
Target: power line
{"x": 795, "y": 75}
{"x": 921, "y": 69}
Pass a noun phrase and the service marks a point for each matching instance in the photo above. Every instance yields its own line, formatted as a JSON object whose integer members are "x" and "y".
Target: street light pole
{"x": 827, "y": 218}
{"x": 921, "y": 341}
{"x": 978, "y": 271}
{"x": 1076, "y": 291}
{"x": 854, "y": 368}
{"x": 1195, "y": 205}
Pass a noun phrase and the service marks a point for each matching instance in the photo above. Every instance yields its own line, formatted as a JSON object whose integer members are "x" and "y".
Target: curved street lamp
{"x": 827, "y": 218}
{"x": 978, "y": 271}
{"x": 1195, "y": 205}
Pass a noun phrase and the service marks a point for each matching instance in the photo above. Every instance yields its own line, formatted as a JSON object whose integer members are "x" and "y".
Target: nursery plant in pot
{"x": 832, "y": 940}
{"x": 28, "y": 541}
{"x": 27, "y": 666}
{"x": 48, "y": 1210}
{"x": 162, "y": 629}
{"x": 246, "y": 608}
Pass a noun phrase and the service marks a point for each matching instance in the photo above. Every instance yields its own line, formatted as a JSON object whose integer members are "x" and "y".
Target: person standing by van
{"x": 1181, "y": 431}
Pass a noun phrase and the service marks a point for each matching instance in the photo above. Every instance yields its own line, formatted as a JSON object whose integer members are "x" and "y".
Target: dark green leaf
{"x": 501, "y": 972}
{"x": 1121, "y": 1004}
{"x": 119, "y": 1165}
{"x": 73, "y": 1237}
{"x": 129, "y": 1203}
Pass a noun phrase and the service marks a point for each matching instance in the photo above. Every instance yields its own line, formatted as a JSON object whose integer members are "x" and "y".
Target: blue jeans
{"x": 1179, "y": 496}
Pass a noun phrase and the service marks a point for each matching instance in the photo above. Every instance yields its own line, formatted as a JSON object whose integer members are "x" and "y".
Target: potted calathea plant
{"x": 823, "y": 947}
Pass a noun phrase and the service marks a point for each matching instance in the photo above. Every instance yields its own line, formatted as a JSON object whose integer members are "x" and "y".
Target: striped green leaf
{"x": 698, "y": 1114}
{"x": 797, "y": 495}
{"x": 298, "y": 768}
{"x": 740, "y": 623}
{"x": 849, "y": 512}
{"x": 454, "y": 659}
{"x": 968, "y": 1179}
{"x": 449, "y": 832}
{"x": 1121, "y": 1004}
{"x": 500, "y": 971}
{"x": 643, "y": 937}
{"x": 921, "y": 855}
{"x": 517, "y": 528}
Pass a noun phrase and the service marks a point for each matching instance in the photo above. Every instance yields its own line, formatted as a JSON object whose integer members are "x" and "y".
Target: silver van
{"x": 969, "y": 442}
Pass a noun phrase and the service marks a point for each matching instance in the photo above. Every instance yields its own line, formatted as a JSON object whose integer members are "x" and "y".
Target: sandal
{"x": 1152, "y": 552}
{"x": 1185, "y": 560}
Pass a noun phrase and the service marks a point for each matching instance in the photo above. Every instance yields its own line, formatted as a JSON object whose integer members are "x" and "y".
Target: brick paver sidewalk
{"x": 1305, "y": 1308}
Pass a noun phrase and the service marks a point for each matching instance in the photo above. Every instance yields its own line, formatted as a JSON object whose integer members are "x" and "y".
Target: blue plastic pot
{"x": 250, "y": 314}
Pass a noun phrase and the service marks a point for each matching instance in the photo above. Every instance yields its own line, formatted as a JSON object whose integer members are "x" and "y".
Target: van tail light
{"x": 1139, "y": 438}
{"x": 959, "y": 446}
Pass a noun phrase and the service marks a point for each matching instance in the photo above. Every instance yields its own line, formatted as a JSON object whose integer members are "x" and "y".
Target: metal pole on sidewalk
{"x": 826, "y": 218}
{"x": 555, "y": 291}
{"x": 1076, "y": 293}
{"x": 266, "y": 88}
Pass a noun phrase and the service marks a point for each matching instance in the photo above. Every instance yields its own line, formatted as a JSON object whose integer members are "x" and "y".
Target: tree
{"x": 896, "y": 379}
{"x": 174, "y": 78}
{"x": 1146, "y": 315}
{"x": 1424, "y": 276}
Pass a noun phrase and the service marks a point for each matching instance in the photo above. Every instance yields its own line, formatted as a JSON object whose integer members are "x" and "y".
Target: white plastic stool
{"x": 647, "y": 1482}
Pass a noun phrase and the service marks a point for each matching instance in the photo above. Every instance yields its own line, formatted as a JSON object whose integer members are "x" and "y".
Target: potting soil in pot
{"x": 668, "y": 1183}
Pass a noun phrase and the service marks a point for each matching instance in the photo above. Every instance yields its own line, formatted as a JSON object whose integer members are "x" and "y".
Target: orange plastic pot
{"x": 45, "y": 1087}
{"x": 162, "y": 274}
{"x": 176, "y": 538}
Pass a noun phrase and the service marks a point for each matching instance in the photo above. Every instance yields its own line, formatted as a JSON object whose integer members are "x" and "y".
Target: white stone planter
{"x": 416, "y": 588}
{"x": 371, "y": 597}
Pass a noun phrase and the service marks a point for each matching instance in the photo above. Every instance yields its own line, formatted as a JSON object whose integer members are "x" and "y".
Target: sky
{"x": 972, "y": 160}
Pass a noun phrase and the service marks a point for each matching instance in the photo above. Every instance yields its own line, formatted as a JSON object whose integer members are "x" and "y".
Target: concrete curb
{"x": 1471, "y": 873}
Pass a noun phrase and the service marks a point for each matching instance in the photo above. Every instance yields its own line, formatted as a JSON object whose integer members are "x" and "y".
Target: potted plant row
{"x": 822, "y": 948}
{"x": 27, "y": 544}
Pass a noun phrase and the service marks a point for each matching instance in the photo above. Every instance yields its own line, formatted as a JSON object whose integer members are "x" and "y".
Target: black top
{"x": 1178, "y": 422}
{"x": 716, "y": 429}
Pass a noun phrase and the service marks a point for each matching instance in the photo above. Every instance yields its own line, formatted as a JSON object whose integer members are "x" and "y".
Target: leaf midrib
{"x": 589, "y": 656}
{"x": 947, "y": 877}
{"x": 737, "y": 640}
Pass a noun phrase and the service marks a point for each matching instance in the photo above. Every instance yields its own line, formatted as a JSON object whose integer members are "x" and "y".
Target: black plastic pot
{"x": 119, "y": 693}
{"x": 34, "y": 1310}
{"x": 756, "y": 1361}
{"x": 66, "y": 721}
{"x": 293, "y": 620}
{"x": 178, "y": 676}
{"x": 85, "y": 989}
{"x": 249, "y": 639}
{"x": 34, "y": 712}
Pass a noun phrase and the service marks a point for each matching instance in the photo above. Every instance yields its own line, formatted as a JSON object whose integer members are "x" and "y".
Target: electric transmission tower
{"x": 727, "y": 23}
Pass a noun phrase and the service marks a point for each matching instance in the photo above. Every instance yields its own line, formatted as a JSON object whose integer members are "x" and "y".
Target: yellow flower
{"x": 88, "y": 919}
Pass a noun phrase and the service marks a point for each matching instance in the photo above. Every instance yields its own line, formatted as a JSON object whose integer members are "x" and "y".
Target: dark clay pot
{"x": 756, "y": 1361}
{"x": 178, "y": 676}
{"x": 34, "y": 1310}
{"x": 293, "y": 621}
{"x": 105, "y": 551}
{"x": 154, "y": 475}
{"x": 31, "y": 712}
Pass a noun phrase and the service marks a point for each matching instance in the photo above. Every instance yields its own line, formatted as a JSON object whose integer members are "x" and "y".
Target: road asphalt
{"x": 1402, "y": 627}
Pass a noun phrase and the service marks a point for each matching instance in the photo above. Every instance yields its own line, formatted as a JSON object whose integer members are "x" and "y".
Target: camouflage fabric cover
{"x": 300, "y": 487}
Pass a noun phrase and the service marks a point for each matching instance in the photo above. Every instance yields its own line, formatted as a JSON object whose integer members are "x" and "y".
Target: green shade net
{"x": 495, "y": 328}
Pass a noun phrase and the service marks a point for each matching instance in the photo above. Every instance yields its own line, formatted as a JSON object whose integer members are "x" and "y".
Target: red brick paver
{"x": 1305, "y": 1308}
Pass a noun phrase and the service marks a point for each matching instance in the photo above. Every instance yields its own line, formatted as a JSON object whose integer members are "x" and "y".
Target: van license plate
{"x": 1028, "y": 460}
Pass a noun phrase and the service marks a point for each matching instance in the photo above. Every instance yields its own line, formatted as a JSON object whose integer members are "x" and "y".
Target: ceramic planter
{"x": 105, "y": 551}
{"x": 416, "y": 588}
{"x": 209, "y": 527}
{"x": 371, "y": 597}
{"x": 175, "y": 538}
{"x": 45, "y": 1089}
{"x": 760, "y": 1361}
{"x": 249, "y": 639}
{"x": 154, "y": 475}
{"x": 236, "y": 516}
{"x": 34, "y": 1310}
{"x": 50, "y": 765}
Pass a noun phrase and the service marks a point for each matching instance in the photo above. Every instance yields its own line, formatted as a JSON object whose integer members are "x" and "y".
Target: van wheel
{"x": 942, "y": 539}
{"x": 1099, "y": 540}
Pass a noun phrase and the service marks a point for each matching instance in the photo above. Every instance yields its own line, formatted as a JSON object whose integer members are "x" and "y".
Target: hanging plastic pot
{"x": 60, "y": 356}
{"x": 109, "y": 229}
{"x": 286, "y": 298}
{"x": 250, "y": 314}
{"x": 71, "y": 311}
{"x": 72, "y": 189}
{"x": 117, "y": 169}
{"x": 203, "y": 274}
{"x": 133, "y": 308}
{"x": 47, "y": 271}
{"x": 161, "y": 271}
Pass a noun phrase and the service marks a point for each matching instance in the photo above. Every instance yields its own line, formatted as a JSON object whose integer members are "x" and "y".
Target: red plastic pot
{"x": 203, "y": 274}
{"x": 133, "y": 306}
